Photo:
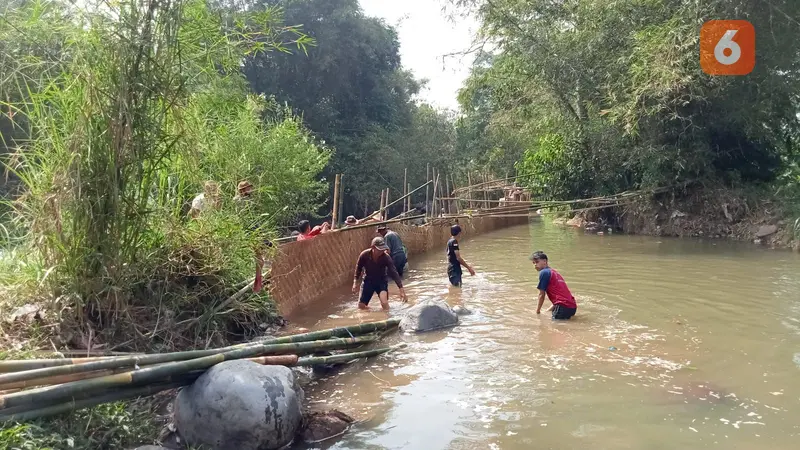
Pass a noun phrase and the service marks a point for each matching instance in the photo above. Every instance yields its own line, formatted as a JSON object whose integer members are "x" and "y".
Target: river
{"x": 677, "y": 343}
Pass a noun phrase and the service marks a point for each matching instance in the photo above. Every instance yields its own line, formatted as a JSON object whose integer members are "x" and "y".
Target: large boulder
{"x": 428, "y": 315}
{"x": 240, "y": 405}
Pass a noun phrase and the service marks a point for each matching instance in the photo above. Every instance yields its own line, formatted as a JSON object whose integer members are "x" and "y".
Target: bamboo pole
{"x": 341, "y": 198}
{"x": 458, "y": 203}
{"x": 335, "y": 214}
{"x": 386, "y": 205}
{"x": 427, "y": 194}
{"x": 433, "y": 200}
{"x": 408, "y": 199}
{"x": 447, "y": 193}
{"x": 267, "y": 349}
{"x": 344, "y": 357}
{"x": 353, "y": 330}
{"x": 398, "y": 200}
{"x": 383, "y": 200}
{"x": 405, "y": 188}
{"x": 53, "y": 394}
{"x": 469, "y": 189}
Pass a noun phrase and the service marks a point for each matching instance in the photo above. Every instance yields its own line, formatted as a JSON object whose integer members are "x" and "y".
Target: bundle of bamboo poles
{"x": 35, "y": 388}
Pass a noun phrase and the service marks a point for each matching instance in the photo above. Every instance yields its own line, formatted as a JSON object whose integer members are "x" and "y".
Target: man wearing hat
{"x": 376, "y": 263}
{"x": 396, "y": 249}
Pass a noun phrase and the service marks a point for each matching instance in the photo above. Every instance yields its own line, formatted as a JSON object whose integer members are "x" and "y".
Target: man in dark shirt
{"x": 396, "y": 250}
{"x": 454, "y": 259}
{"x": 376, "y": 263}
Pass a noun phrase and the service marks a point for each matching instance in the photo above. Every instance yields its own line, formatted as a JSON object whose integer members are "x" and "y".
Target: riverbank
{"x": 754, "y": 216}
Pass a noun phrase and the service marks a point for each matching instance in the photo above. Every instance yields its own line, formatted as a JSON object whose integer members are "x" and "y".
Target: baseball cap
{"x": 379, "y": 243}
{"x": 382, "y": 226}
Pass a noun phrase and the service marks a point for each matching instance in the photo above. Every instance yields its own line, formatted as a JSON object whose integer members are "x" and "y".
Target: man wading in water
{"x": 396, "y": 250}
{"x": 553, "y": 284}
{"x": 376, "y": 263}
{"x": 454, "y": 259}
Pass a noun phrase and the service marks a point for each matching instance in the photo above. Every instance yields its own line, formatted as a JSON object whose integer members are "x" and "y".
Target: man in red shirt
{"x": 553, "y": 284}
{"x": 376, "y": 263}
{"x": 306, "y": 232}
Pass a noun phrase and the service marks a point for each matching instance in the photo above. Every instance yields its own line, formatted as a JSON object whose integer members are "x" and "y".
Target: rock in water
{"x": 428, "y": 316}
{"x": 240, "y": 405}
{"x": 325, "y": 425}
{"x": 461, "y": 310}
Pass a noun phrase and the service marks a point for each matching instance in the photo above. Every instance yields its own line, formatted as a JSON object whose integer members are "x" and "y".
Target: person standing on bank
{"x": 553, "y": 284}
{"x": 376, "y": 263}
{"x": 454, "y": 259}
{"x": 396, "y": 250}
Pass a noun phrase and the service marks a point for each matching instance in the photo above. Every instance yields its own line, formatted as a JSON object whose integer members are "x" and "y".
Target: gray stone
{"x": 428, "y": 315}
{"x": 240, "y": 405}
{"x": 461, "y": 310}
{"x": 766, "y": 230}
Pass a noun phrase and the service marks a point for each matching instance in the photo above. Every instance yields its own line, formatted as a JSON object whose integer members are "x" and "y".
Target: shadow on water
{"x": 676, "y": 344}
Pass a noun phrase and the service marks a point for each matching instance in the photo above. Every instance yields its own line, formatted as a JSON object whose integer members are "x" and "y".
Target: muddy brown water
{"x": 677, "y": 343}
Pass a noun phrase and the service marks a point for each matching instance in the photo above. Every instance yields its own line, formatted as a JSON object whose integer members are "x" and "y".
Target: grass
{"x": 115, "y": 426}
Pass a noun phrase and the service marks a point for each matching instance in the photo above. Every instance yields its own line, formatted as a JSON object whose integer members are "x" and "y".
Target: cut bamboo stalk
{"x": 268, "y": 348}
{"x": 275, "y": 360}
{"x": 55, "y": 394}
{"x": 353, "y": 330}
{"x": 335, "y": 214}
{"x": 107, "y": 397}
{"x": 344, "y": 357}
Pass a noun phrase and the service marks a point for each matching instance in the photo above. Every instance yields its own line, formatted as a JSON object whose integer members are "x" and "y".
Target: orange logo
{"x": 727, "y": 47}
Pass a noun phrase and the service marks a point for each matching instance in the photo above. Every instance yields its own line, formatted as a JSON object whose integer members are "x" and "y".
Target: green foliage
{"x": 620, "y": 82}
{"x": 147, "y": 104}
{"x": 109, "y": 426}
{"x": 354, "y": 95}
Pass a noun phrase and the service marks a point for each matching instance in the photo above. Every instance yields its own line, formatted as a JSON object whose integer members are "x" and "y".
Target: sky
{"x": 426, "y": 34}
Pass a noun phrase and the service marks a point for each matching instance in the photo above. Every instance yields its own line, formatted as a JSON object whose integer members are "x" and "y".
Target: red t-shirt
{"x": 314, "y": 231}
{"x": 553, "y": 283}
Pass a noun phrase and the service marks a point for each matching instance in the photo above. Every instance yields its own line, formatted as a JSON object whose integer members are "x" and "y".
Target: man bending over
{"x": 553, "y": 284}
{"x": 376, "y": 263}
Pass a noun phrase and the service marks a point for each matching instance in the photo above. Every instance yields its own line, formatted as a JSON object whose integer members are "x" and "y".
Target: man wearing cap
{"x": 376, "y": 263}
{"x": 454, "y": 259}
{"x": 396, "y": 249}
{"x": 553, "y": 284}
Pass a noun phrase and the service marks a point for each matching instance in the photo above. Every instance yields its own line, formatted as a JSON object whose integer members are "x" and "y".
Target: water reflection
{"x": 676, "y": 344}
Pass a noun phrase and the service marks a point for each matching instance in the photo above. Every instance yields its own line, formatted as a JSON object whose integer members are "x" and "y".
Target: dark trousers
{"x": 560, "y": 312}
{"x": 454, "y": 274}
